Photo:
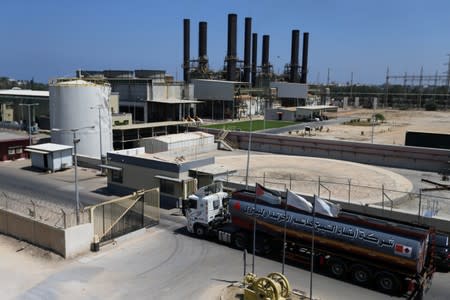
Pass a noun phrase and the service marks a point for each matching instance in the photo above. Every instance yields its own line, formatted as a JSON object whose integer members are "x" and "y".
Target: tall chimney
{"x": 231, "y": 51}
{"x": 265, "y": 54}
{"x": 294, "y": 55}
{"x": 305, "y": 57}
{"x": 186, "y": 48}
{"x": 247, "y": 46}
{"x": 202, "y": 40}
{"x": 254, "y": 57}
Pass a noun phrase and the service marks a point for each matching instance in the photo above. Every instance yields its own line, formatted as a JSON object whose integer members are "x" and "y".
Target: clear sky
{"x": 47, "y": 39}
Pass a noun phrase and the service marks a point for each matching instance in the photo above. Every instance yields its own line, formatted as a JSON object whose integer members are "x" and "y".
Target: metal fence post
{"x": 382, "y": 197}
{"x": 64, "y": 218}
{"x": 349, "y": 189}
{"x": 33, "y": 213}
{"x": 420, "y": 206}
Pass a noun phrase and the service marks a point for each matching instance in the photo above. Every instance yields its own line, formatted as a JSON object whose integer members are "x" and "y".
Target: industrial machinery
{"x": 274, "y": 286}
{"x": 395, "y": 257}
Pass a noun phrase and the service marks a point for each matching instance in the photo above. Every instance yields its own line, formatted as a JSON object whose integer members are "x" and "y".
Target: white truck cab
{"x": 204, "y": 208}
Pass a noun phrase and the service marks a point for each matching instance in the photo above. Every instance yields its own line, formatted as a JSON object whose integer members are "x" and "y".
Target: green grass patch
{"x": 245, "y": 125}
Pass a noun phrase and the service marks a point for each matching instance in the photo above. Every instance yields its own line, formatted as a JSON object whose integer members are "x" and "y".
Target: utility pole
{"x": 75, "y": 141}
{"x": 328, "y": 76}
{"x": 448, "y": 74}
{"x": 420, "y": 87}
{"x": 28, "y": 105}
{"x": 386, "y": 88}
{"x": 351, "y": 86}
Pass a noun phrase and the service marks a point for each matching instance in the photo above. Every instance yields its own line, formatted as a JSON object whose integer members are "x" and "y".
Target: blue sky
{"x": 48, "y": 39}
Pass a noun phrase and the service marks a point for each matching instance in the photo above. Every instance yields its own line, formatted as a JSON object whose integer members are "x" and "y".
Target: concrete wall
{"x": 68, "y": 242}
{"x": 78, "y": 239}
{"x": 415, "y": 158}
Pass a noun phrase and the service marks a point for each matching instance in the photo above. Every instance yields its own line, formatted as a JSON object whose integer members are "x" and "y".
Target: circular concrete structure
{"x": 340, "y": 180}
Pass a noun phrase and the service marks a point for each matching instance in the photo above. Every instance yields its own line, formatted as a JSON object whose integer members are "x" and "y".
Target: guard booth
{"x": 50, "y": 157}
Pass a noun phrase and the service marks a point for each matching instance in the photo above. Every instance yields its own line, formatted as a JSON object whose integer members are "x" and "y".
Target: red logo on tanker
{"x": 237, "y": 205}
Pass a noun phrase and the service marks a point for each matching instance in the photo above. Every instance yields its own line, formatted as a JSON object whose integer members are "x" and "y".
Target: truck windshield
{"x": 193, "y": 204}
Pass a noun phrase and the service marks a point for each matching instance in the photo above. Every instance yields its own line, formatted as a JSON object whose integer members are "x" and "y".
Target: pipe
{"x": 247, "y": 46}
{"x": 186, "y": 48}
{"x": 231, "y": 51}
{"x": 294, "y": 55}
{"x": 254, "y": 57}
{"x": 305, "y": 57}
{"x": 202, "y": 41}
{"x": 265, "y": 54}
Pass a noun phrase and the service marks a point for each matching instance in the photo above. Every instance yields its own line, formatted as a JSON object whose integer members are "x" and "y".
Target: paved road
{"x": 166, "y": 263}
{"x": 161, "y": 263}
{"x": 58, "y": 188}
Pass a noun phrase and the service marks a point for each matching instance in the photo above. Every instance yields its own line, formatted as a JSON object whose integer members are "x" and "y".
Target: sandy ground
{"x": 392, "y": 131}
{"x": 301, "y": 174}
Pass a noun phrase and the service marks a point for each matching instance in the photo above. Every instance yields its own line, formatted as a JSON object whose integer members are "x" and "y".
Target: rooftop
{"x": 48, "y": 147}
{"x": 25, "y": 93}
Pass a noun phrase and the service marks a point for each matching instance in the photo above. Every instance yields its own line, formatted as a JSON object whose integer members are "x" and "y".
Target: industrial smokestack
{"x": 305, "y": 57}
{"x": 186, "y": 48}
{"x": 247, "y": 46}
{"x": 265, "y": 54}
{"x": 202, "y": 40}
{"x": 254, "y": 57}
{"x": 294, "y": 55}
{"x": 231, "y": 51}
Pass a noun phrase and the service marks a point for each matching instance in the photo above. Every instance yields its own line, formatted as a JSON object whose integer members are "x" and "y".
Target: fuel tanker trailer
{"x": 395, "y": 257}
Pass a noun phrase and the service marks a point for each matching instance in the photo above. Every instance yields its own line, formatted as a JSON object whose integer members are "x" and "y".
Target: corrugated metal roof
{"x": 27, "y": 93}
{"x": 49, "y": 147}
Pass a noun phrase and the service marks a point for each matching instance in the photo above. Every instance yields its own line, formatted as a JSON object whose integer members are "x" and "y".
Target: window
{"x": 216, "y": 204}
{"x": 116, "y": 176}
{"x": 167, "y": 187}
{"x": 11, "y": 151}
{"x": 19, "y": 150}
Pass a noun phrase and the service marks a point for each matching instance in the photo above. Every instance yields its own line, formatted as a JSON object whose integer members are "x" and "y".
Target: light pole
{"x": 28, "y": 105}
{"x": 75, "y": 141}
{"x": 99, "y": 107}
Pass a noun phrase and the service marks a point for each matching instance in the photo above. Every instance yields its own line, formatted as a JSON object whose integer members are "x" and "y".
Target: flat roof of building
{"x": 8, "y": 136}
{"x": 48, "y": 147}
{"x": 24, "y": 93}
{"x": 179, "y": 137}
{"x": 316, "y": 107}
{"x": 214, "y": 169}
{"x": 151, "y": 125}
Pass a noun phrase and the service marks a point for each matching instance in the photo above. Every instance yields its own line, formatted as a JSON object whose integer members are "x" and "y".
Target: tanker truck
{"x": 396, "y": 258}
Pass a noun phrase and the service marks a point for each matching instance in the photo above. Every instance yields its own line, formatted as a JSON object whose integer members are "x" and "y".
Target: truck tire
{"x": 387, "y": 283}
{"x": 199, "y": 230}
{"x": 361, "y": 274}
{"x": 338, "y": 267}
{"x": 240, "y": 240}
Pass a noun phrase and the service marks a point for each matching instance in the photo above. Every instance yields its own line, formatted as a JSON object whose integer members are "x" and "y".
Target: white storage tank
{"x": 79, "y": 104}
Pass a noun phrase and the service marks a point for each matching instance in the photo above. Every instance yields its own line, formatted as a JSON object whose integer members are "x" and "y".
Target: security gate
{"x": 123, "y": 215}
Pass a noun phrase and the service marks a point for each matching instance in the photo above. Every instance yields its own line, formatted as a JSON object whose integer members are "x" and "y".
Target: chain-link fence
{"x": 57, "y": 215}
{"x": 428, "y": 204}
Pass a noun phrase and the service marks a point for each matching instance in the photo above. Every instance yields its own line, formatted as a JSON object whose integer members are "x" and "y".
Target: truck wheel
{"x": 200, "y": 230}
{"x": 361, "y": 274}
{"x": 338, "y": 267}
{"x": 240, "y": 241}
{"x": 387, "y": 282}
